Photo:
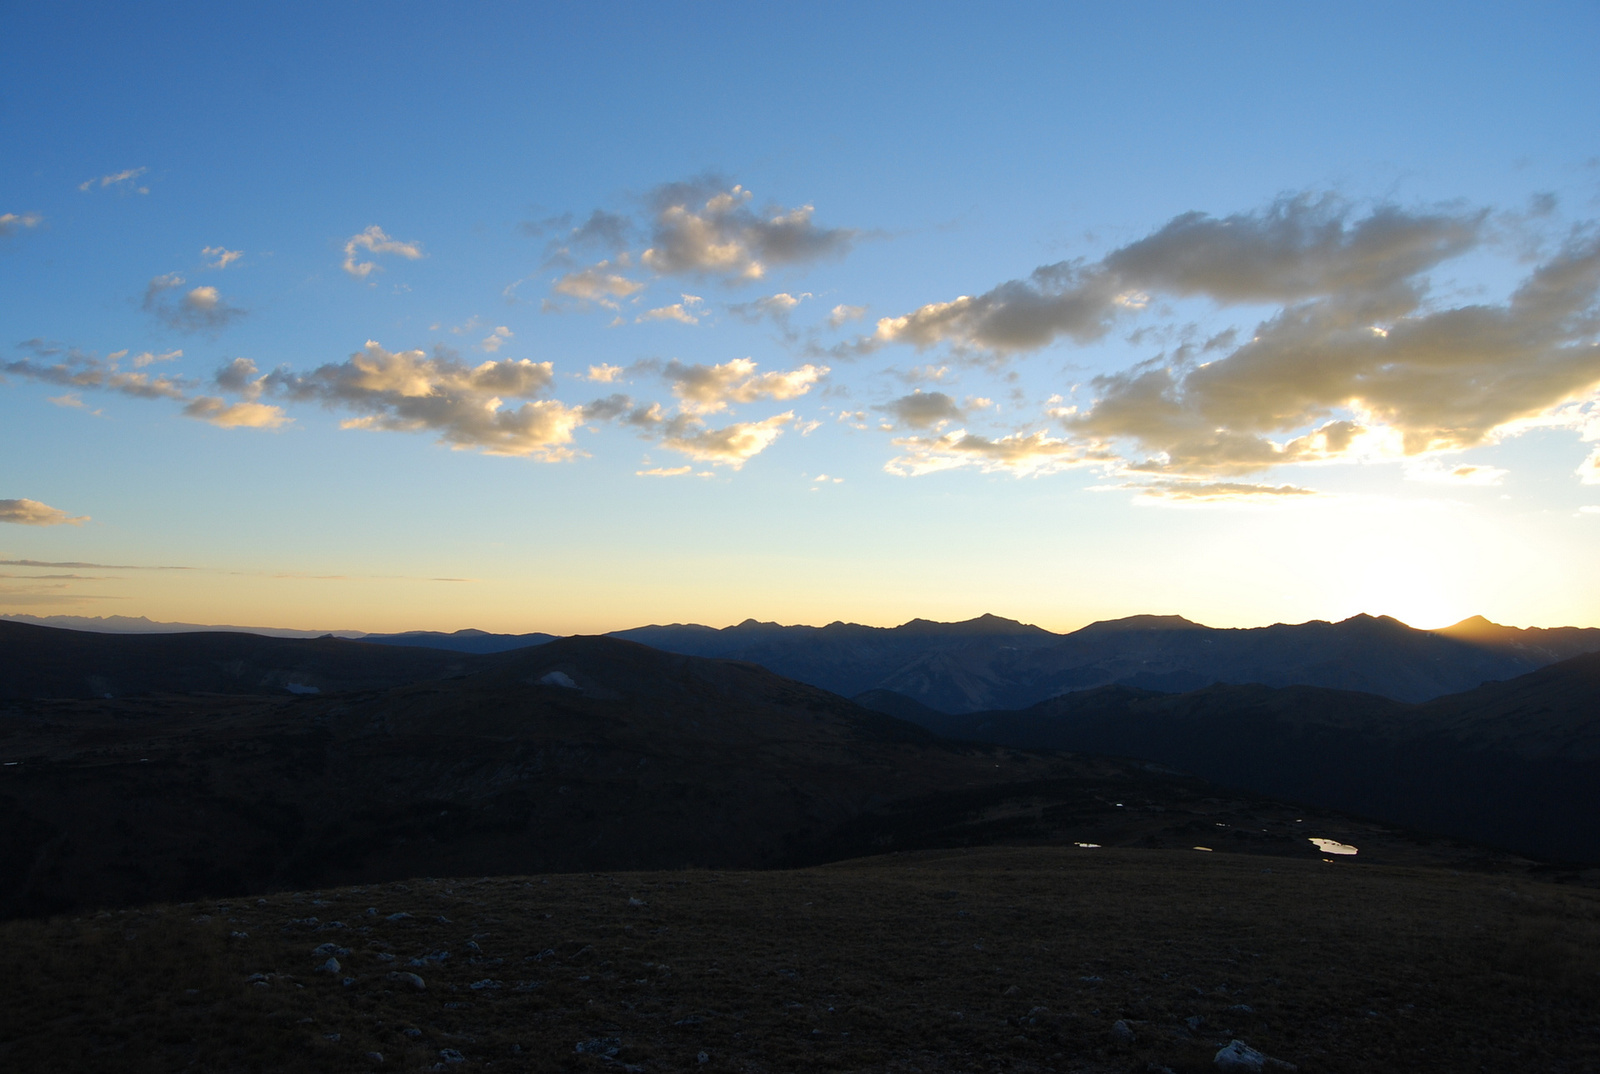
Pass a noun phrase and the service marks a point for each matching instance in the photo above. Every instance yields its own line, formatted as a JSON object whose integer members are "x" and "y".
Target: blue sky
{"x": 572, "y": 319}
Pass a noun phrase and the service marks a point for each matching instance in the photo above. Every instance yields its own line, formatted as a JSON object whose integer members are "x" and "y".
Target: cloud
{"x": 201, "y": 309}
{"x": 493, "y": 340}
{"x": 842, "y": 314}
{"x": 678, "y": 311}
{"x": 730, "y": 446}
{"x": 241, "y": 415}
{"x": 11, "y": 223}
{"x": 604, "y": 374}
{"x": 700, "y": 229}
{"x": 1215, "y": 492}
{"x": 124, "y": 180}
{"x": 1432, "y": 470}
{"x": 602, "y": 230}
{"x": 375, "y": 242}
{"x": 1589, "y": 469}
{"x": 775, "y": 308}
{"x": 923, "y": 410}
{"x": 34, "y": 513}
{"x": 1321, "y": 381}
{"x": 1018, "y": 453}
{"x": 664, "y": 471}
{"x": 145, "y": 358}
{"x": 69, "y": 367}
{"x": 73, "y": 565}
{"x": 408, "y": 391}
{"x": 706, "y": 389}
{"x": 220, "y": 257}
{"x": 1297, "y": 248}
{"x": 597, "y": 284}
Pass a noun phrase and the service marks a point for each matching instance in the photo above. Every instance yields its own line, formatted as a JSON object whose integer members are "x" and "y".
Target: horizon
{"x": 517, "y": 319}
{"x": 44, "y": 620}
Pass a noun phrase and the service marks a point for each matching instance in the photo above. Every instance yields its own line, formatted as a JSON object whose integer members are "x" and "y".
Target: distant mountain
{"x": 1514, "y": 763}
{"x": 461, "y": 641}
{"x": 994, "y": 663}
{"x": 38, "y": 662}
{"x": 138, "y": 624}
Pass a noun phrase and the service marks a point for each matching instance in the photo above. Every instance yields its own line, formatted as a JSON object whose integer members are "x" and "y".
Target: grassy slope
{"x": 1000, "y": 959}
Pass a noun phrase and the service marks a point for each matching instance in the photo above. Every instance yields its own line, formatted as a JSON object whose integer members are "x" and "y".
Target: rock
{"x": 1238, "y": 1055}
{"x": 376, "y": 1057}
{"x": 1011, "y": 991}
{"x": 402, "y": 977}
{"x": 702, "y": 1058}
{"x": 330, "y": 967}
{"x": 605, "y": 1046}
{"x": 1241, "y": 1008}
{"x": 450, "y": 1055}
{"x": 558, "y": 678}
{"x": 1122, "y": 1032}
{"x": 1194, "y": 1022}
{"x": 414, "y": 1033}
{"x": 486, "y": 985}
{"x": 401, "y": 916}
{"x": 330, "y": 950}
{"x": 636, "y": 902}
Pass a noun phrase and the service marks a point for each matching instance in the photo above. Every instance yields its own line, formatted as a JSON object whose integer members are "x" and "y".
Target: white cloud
{"x": 145, "y": 358}
{"x": 125, "y": 180}
{"x": 408, "y": 391}
{"x": 1018, "y": 453}
{"x": 1589, "y": 469}
{"x": 678, "y": 311}
{"x": 1211, "y": 492}
{"x": 493, "y": 340}
{"x": 1435, "y": 471}
{"x": 597, "y": 284}
{"x": 604, "y": 374}
{"x": 701, "y": 229}
{"x": 34, "y": 513}
{"x": 220, "y": 257}
{"x": 665, "y": 471}
{"x": 375, "y": 242}
{"x": 240, "y": 415}
{"x": 11, "y": 223}
{"x": 730, "y": 446}
{"x": 706, "y": 389}
{"x": 842, "y": 314}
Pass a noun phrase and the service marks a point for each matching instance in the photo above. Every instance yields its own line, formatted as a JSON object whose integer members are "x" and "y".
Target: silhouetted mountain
{"x": 578, "y": 755}
{"x": 1514, "y": 763}
{"x": 461, "y": 641}
{"x": 50, "y": 662}
{"x": 1545, "y": 644}
{"x": 994, "y": 663}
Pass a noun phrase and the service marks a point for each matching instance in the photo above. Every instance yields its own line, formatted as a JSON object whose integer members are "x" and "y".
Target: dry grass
{"x": 997, "y": 959}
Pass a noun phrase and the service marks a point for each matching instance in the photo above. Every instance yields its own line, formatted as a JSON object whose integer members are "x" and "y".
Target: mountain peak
{"x": 1143, "y": 622}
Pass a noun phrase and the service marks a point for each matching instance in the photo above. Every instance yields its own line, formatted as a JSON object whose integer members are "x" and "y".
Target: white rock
{"x": 1239, "y": 1056}
{"x": 402, "y": 977}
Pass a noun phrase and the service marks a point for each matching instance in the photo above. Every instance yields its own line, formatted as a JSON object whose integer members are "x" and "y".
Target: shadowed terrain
{"x": 1514, "y": 763}
{"x": 1026, "y": 960}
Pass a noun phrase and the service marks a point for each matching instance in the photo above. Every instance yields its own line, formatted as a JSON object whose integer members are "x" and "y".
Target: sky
{"x": 573, "y": 318}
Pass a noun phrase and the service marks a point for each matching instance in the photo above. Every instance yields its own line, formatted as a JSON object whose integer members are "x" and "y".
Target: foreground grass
{"x": 996, "y": 959}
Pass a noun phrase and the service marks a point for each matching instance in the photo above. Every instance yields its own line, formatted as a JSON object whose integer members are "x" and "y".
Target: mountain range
{"x": 995, "y": 663}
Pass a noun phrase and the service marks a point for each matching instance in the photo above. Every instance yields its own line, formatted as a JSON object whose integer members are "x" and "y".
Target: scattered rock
{"x": 401, "y": 916}
{"x": 450, "y": 1055}
{"x": 486, "y": 985}
{"x": 1122, "y": 1032}
{"x": 702, "y": 1058}
{"x": 1011, "y": 991}
{"x": 1241, "y": 1008}
{"x": 1240, "y": 1056}
{"x": 1194, "y": 1022}
{"x": 606, "y": 1046}
{"x": 238, "y": 935}
{"x": 330, "y": 950}
{"x": 558, "y": 678}
{"x": 376, "y": 1057}
{"x": 414, "y": 1033}
{"x": 402, "y": 977}
{"x": 636, "y": 902}
{"x": 331, "y": 967}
